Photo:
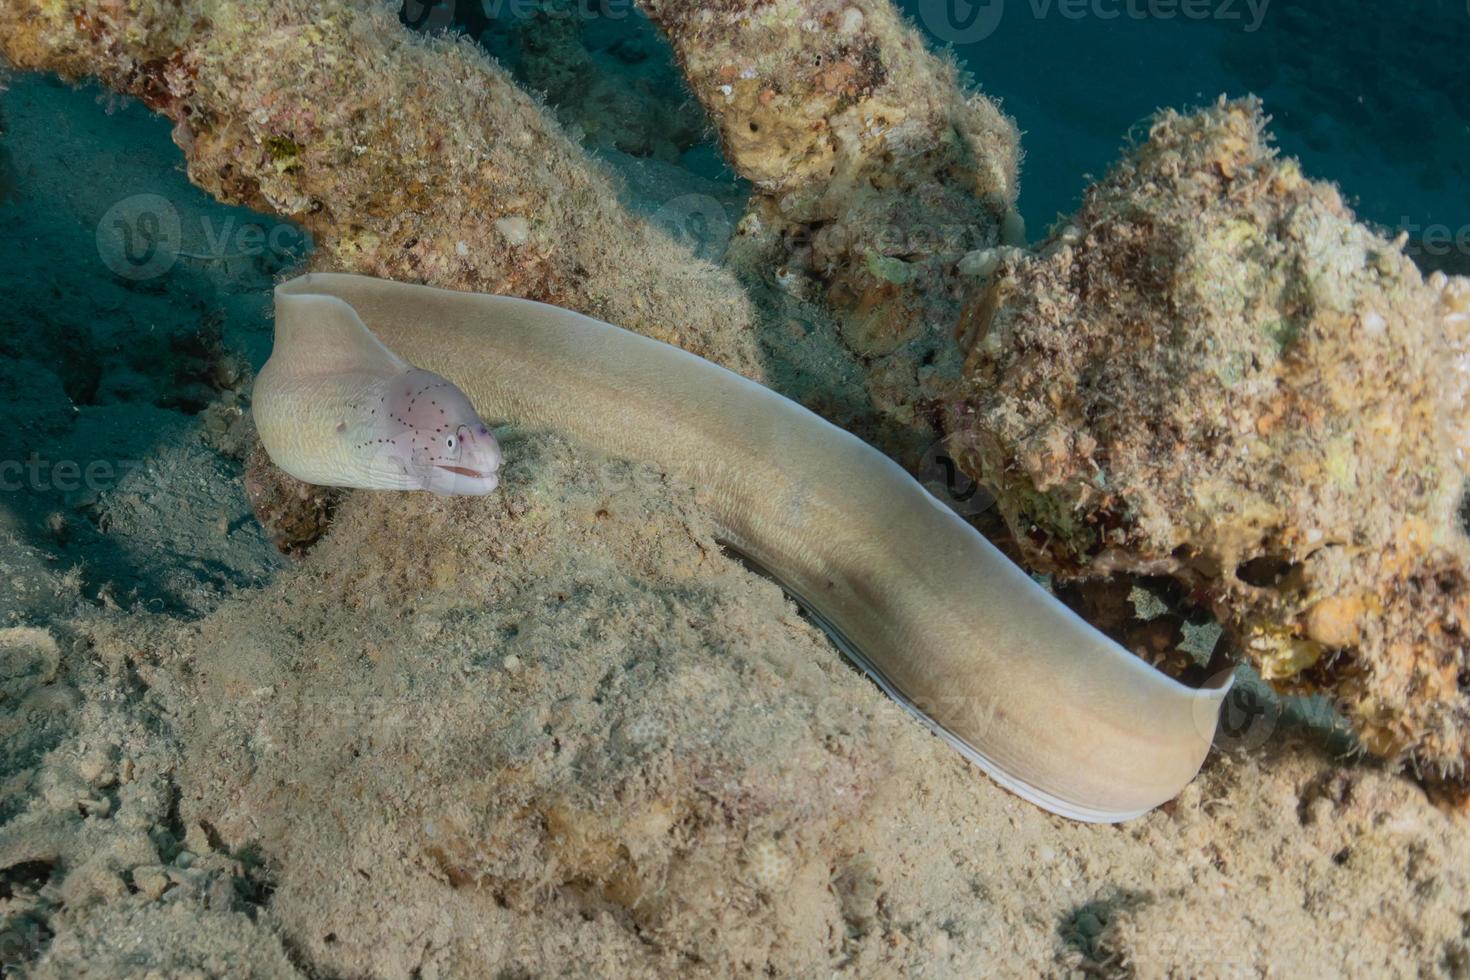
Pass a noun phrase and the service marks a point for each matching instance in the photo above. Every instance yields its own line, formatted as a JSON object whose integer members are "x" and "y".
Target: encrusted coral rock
{"x": 876, "y": 172}
{"x": 1215, "y": 372}
{"x": 811, "y": 94}
{"x": 294, "y": 514}
{"x": 405, "y": 157}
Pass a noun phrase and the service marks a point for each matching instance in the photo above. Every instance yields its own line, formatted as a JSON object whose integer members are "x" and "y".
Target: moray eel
{"x": 993, "y": 663}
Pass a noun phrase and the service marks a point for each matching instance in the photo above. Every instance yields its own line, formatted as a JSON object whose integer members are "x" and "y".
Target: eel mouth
{"x": 460, "y": 481}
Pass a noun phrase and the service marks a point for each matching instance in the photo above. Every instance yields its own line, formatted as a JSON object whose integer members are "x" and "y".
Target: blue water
{"x": 1373, "y": 96}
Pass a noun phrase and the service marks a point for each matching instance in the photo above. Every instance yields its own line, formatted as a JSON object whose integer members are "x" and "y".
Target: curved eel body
{"x": 1042, "y": 702}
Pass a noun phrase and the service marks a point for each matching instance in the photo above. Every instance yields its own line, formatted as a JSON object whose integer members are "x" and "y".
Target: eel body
{"x": 1023, "y": 687}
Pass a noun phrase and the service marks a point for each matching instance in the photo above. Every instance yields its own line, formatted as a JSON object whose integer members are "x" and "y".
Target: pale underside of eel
{"x": 993, "y": 663}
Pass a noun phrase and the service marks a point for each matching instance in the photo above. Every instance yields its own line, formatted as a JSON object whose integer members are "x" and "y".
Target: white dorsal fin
{"x": 318, "y": 334}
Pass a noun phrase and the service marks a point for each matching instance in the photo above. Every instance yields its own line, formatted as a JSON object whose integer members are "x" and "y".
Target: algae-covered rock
{"x": 1213, "y": 371}
{"x": 404, "y": 156}
{"x": 875, "y": 171}
{"x": 294, "y": 515}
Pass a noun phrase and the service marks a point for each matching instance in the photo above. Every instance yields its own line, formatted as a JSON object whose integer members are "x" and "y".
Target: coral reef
{"x": 389, "y": 148}
{"x": 404, "y": 156}
{"x": 1213, "y": 372}
{"x": 473, "y": 787}
{"x": 875, "y": 174}
{"x": 557, "y": 731}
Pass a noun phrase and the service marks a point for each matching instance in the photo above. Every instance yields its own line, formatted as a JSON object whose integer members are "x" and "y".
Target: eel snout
{"x": 336, "y": 407}
{"x": 432, "y": 432}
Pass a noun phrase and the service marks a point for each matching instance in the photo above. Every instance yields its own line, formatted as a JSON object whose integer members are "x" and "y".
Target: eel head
{"x": 424, "y": 428}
